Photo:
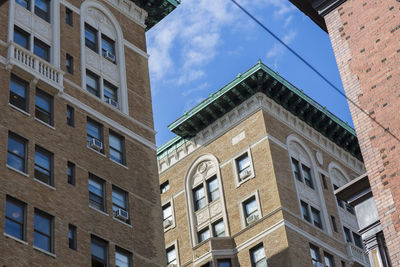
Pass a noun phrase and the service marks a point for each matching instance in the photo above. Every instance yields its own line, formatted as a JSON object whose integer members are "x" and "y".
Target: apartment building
{"x": 249, "y": 180}
{"x": 78, "y": 183}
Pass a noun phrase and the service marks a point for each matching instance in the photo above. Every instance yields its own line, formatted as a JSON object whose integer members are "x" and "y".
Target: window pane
{"x": 91, "y": 38}
{"x": 41, "y": 49}
{"x": 21, "y": 37}
{"x": 305, "y": 212}
{"x": 115, "y": 142}
{"x": 171, "y": 256}
{"x": 329, "y": 262}
{"x": 243, "y": 162}
{"x": 95, "y": 188}
{"x": 347, "y": 234}
{"x": 98, "y": 250}
{"x": 110, "y": 92}
{"x": 42, "y": 224}
{"x": 43, "y": 107}
{"x": 108, "y": 48}
{"x": 307, "y": 176}
{"x": 118, "y": 198}
{"x": 24, "y": 3}
{"x": 15, "y": 212}
{"x": 93, "y": 130}
{"x": 357, "y": 240}
{"x": 92, "y": 83}
{"x": 121, "y": 260}
{"x": 14, "y": 219}
{"x": 219, "y": 229}
{"x": 41, "y": 241}
{"x": 204, "y": 234}
{"x": 250, "y": 207}
{"x": 316, "y": 215}
{"x": 167, "y": 211}
{"x": 199, "y": 197}
{"x": 213, "y": 189}
{"x": 14, "y": 229}
{"x": 42, "y": 160}
{"x": 164, "y": 187}
{"x": 18, "y": 92}
{"x": 42, "y": 9}
{"x": 314, "y": 251}
{"x": 16, "y": 146}
{"x": 296, "y": 169}
{"x": 224, "y": 263}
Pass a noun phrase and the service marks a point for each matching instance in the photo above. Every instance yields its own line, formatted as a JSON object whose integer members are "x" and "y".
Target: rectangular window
{"x": 42, "y": 9}
{"x": 69, "y": 63}
{"x": 164, "y": 187}
{"x": 296, "y": 169}
{"x": 43, "y": 165}
{"x": 43, "y": 231}
{"x": 203, "y": 234}
{"x": 44, "y": 106}
{"x": 99, "y": 251}
{"x": 243, "y": 166}
{"x": 315, "y": 256}
{"x": 333, "y": 219}
{"x": 171, "y": 255}
{"x": 199, "y": 197}
{"x": 92, "y": 83}
{"x": 108, "y": 48}
{"x": 96, "y": 193}
{"x": 91, "y": 38}
{"x": 94, "y": 135}
{"x": 70, "y": 116}
{"x": 16, "y": 152}
{"x": 305, "y": 212}
{"x": 349, "y": 208}
{"x": 120, "y": 204}
{"x": 15, "y": 218}
{"x": 307, "y": 176}
{"x": 213, "y": 189}
{"x": 41, "y": 49}
{"x": 224, "y": 263}
{"x": 347, "y": 234}
{"x": 24, "y": 3}
{"x": 219, "y": 228}
{"x": 257, "y": 256}
{"x": 316, "y": 216}
{"x": 68, "y": 17}
{"x": 167, "y": 214}
{"x": 343, "y": 264}
{"x": 329, "y": 261}
{"x": 72, "y": 236}
{"x": 250, "y": 210}
{"x": 21, "y": 37}
{"x": 110, "y": 94}
{"x": 117, "y": 148}
{"x": 71, "y": 173}
{"x": 19, "y": 92}
{"x": 338, "y": 200}
{"x": 357, "y": 240}
{"x": 122, "y": 258}
{"x": 324, "y": 181}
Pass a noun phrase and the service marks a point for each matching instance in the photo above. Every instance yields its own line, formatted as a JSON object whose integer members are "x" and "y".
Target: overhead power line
{"x": 313, "y": 68}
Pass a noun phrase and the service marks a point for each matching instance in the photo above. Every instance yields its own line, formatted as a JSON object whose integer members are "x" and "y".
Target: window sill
{"x": 45, "y": 252}
{"x": 124, "y": 223}
{"x": 94, "y": 150}
{"x": 49, "y": 186}
{"x": 45, "y": 124}
{"x": 15, "y": 238}
{"x": 102, "y": 212}
{"x": 17, "y": 171}
{"x": 20, "y": 110}
{"x": 119, "y": 164}
{"x": 245, "y": 180}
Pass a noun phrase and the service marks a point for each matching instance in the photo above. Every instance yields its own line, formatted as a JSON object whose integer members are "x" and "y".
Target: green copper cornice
{"x": 156, "y": 9}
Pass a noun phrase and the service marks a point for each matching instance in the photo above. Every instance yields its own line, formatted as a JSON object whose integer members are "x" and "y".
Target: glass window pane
{"x": 204, "y": 234}
{"x": 250, "y": 207}
{"x": 14, "y": 229}
{"x": 42, "y": 224}
{"x": 41, "y": 241}
{"x": 16, "y": 147}
{"x": 24, "y": 3}
{"x": 121, "y": 260}
{"x": 115, "y": 142}
{"x": 116, "y": 155}
{"x": 43, "y": 5}
{"x": 93, "y": 130}
{"x": 171, "y": 256}
{"x": 219, "y": 229}
{"x": 41, "y": 49}
{"x": 167, "y": 211}
{"x": 98, "y": 250}
{"x": 95, "y": 187}
{"x": 21, "y": 38}
{"x": 14, "y": 212}
{"x": 243, "y": 162}
{"x": 118, "y": 198}
{"x": 43, "y": 160}
{"x": 43, "y": 102}
{"x": 16, "y": 162}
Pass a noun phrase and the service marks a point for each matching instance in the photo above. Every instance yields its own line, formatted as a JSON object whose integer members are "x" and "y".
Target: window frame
{"x": 305, "y": 209}
{"x": 169, "y": 249}
{"x": 196, "y": 201}
{"x": 100, "y": 130}
{"x": 38, "y": 110}
{"x": 50, "y": 236}
{"x": 50, "y": 155}
{"x": 71, "y": 118}
{"x": 252, "y": 255}
{"x": 105, "y": 38}
{"x": 25, "y": 35}
{"x": 117, "y": 206}
{"x": 22, "y": 224}
{"x": 46, "y": 49}
{"x": 94, "y": 91}
{"x": 236, "y": 167}
{"x": 317, "y": 213}
{"x": 103, "y": 243}
{"x": 40, "y": 12}
{"x": 102, "y": 183}
{"x": 94, "y": 46}
{"x": 14, "y": 79}
{"x": 121, "y": 140}
{"x": 22, "y": 141}
{"x": 71, "y": 178}
{"x": 164, "y": 187}
{"x": 201, "y": 231}
{"x": 315, "y": 249}
{"x": 329, "y": 258}
{"x": 243, "y": 211}
{"x": 213, "y": 226}
{"x": 334, "y": 224}
{"x": 124, "y": 252}
{"x": 69, "y": 63}
{"x": 69, "y": 17}
{"x": 169, "y": 202}
{"x": 224, "y": 260}
{"x": 209, "y": 192}
{"x": 72, "y": 242}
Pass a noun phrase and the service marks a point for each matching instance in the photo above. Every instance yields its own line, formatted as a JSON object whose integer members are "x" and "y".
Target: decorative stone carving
{"x": 319, "y": 157}
{"x": 202, "y": 216}
{"x": 308, "y": 194}
{"x": 23, "y": 16}
{"x": 338, "y": 177}
{"x": 93, "y": 59}
{"x": 296, "y": 149}
{"x": 99, "y": 20}
{"x": 110, "y": 69}
{"x": 131, "y": 10}
{"x": 42, "y": 28}
{"x": 215, "y": 208}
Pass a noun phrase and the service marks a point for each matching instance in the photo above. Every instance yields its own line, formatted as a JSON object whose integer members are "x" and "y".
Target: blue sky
{"x": 204, "y": 44}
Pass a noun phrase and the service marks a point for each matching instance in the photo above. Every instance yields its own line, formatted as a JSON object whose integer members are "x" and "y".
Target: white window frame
{"x": 309, "y": 206}
{"x": 175, "y": 244}
{"x": 241, "y": 208}
{"x": 236, "y": 171}
{"x": 171, "y": 202}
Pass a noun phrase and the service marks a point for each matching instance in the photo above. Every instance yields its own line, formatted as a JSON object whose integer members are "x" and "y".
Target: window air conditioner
{"x": 108, "y": 55}
{"x": 121, "y": 214}
{"x": 112, "y": 102}
{"x": 167, "y": 223}
{"x": 95, "y": 144}
{"x": 318, "y": 264}
{"x": 244, "y": 174}
{"x": 252, "y": 218}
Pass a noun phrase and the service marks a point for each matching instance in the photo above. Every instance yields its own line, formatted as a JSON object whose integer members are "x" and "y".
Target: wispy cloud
{"x": 278, "y": 49}
{"x": 199, "y": 88}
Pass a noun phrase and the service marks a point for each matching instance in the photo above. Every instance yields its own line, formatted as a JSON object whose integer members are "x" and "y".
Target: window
{"x": 91, "y": 37}
{"x": 218, "y": 228}
{"x": 41, "y": 49}
{"x": 15, "y": 218}
{"x": 243, "y": 166}
{"x": 305, "y": 211}
{"x": 72, "y": 236}
{"x": 224, "y": 263}
{"x": 315, "y": 256}
{"x": 250, "y": 210}
{"x": 108, "y": 48}
{"x": 24, "y": 3}
{"x": 334, "y": 224}
{"x": 21, "y": 37}
{"x": 42, "y": 9}
{"x": 99, "y": 251}
{"x": 338, "y": 200}
{"x": 329, "y": 261}
{"x": 69, "y": 63}
{"x": 347, "y": 234}
{"x": 43, "y": 231}
{"x": 43, "y": 165}
{"x": 110, "y": 94}
{"x": 167, "y": 214}
{"x": 96, "y": 193}
{"x": 94, "y": 135}
{"x": 203, "y": 234}
{"x": 92, "y": 83}
{"x": 324, "y": 181}
{"x": 117, "y": 150}
{"x": 171, "y": 255}
{"x": 44, "y": 107}
{"x": 208, "y": 264}
{"x": 307, "y": 176}
{"x": 343, "y": 264}
{"x": 68, "y": 16}
{"x": 70, "y": 116}
{"x": 257, "y": 256}
{"x": 120, "y": 204}
{"x": 357, "y": 240}
{"x": 122, "y": 258}
{"x": 164, "y": 187}
{"x": 199, "y": 197}
{"x": 71, "y": 173}
{"x": 16, "y": 152}
{"x": 213, "y": 189}
{"x": 316, "y": 216}
{"x": 19, "y": 93}
{"x": 296, "y": 169}
{"x": 349, "y": 208}
{"x": 304, "y": 175}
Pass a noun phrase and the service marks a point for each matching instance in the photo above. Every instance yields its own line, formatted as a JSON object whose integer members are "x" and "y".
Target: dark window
{"x": 92, "y": 83}
{"x": 167, "y": 214}
{"x": 357, "y": 240}
{"x": 213, "y": 189}
{"x": 208, "y": 264}
{"x": 69, "y": 63}
{"x": 349, "y": 208}
{"x": 383, "y": 250}
{"x": 110, "y": 94}
{"x": 344, "y": 264}
{"x": 315, "y": 256}
{"x": 164, "y": 187}
{"x": 316, "y": 216}
{"x": 257, "y": 256}
{"x": 250, "y": 210}
{"x": 43, "y": 231}
{"x": 41, "y": 49}
{"x": 117, "y": 148}
{"x": 338, "y": 200}
{"x": 305, "y": 211}
{"x": 99, "y": 251}
{"x": 69, "y": 16}
{"x": 44, "y": 107}
{"x": 96, "y": 193}
{"x": 24, "y": 3}
{"x": 334, "y": 224}
{"x": 91, "y": 37}
{"x": 72, "y": 236}
{"x": 203, "y": 234}
{"x": 70, "y": 116}
{"x": 296, "y": 169}
{"x": 307, "y": 176}
{"x": 224, "y": 263}
{"x": 16, "y": 152}
{"x": 171, "y": 255}
{"x": 120, "y": 204}
{"x": 347, "y": 234}
{"x": 19, "y": 93}
{"x": 15, "y": 218}
{"x": 324, "y": 181}
{"x": 94, "y": 135}
{"x": 329, "y": 261}
{"x": 21, "y": 37}
{"x": 42, "y": 9}
{"x": 122, "y": 258}
{"x": 199, "y": 197}
{"x": 108, "y": 48}
{"x": 43, "y": 165}
{"x": 218, "y": 228}
{"x": 71, "y": 173}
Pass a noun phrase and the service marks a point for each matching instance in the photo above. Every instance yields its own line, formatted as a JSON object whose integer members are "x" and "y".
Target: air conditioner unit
{"x": 108, "y": 55}
{"x": 121, "y": 214}
{"x": 252, "y": 218}
{"x": 172, "y": 265}
{"x": 112, "y": 102}
{"x": 318, "y": 264}
{"x": 95, "y": 144}
{"x": 244, "y": 174}
{"x": 167, "y": 223}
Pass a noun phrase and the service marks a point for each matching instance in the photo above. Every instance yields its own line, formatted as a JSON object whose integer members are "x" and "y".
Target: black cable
{"x": 313, "y": 69}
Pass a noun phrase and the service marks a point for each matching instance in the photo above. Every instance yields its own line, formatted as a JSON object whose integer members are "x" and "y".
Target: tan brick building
{"x": 78, "y": 173}
{"x": 249, "y": 180}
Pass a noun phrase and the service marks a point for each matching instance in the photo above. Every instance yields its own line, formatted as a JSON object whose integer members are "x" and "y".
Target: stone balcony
{"x": 357, "y": 254}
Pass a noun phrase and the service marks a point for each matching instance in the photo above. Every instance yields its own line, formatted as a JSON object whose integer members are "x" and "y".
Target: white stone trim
{"x": 130, "y": 10}
{"x": 255, "y": 194}
{"x": 70, "y": 6}
{"x": 175, "y": 244}
{"x": 171, "y": 202}
{"x": 235, "y": 168}
{"x": 136, "y": 49}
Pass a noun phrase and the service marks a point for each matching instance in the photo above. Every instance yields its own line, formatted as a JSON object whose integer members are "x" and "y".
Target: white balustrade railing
{"x": 39, "y": 66}
{"x": 357, "y": 254}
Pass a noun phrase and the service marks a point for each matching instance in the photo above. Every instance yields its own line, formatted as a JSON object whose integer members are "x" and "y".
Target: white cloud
{"x": 278, "y": 49}
{"x": 199, "y": 88}
{"x": 192, "y": 103}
